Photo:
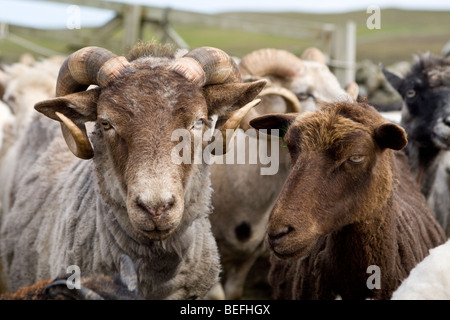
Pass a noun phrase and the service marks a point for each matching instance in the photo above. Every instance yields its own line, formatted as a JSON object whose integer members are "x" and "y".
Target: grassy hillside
{"x": 402, "y": 34}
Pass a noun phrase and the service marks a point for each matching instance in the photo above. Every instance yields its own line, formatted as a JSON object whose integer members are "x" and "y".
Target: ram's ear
{"x": 352, "y": 89}
{"x": 224, "y": 98}
{"x": 73, "y": 111}
{"x": 392, "y": 78}
{"x": 392, "y": 136}
{"x": 275, "y": 124}
{"x": 79, "y": 107}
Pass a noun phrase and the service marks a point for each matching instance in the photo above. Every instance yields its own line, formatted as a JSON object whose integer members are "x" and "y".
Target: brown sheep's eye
{"x": 105, "y": 124}
{"x": 198, "y": 124}
{"x": 357, "y": 159}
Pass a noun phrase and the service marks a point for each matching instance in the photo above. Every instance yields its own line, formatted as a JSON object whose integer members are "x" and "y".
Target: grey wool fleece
{"x": 60, "y": 211}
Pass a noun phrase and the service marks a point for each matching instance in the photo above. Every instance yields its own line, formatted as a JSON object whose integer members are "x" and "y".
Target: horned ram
{"x": 122, "y": 193}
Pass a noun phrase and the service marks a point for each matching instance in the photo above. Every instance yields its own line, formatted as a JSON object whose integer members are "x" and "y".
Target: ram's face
{"x": 136, "y": 120}
{"x": 316, "y": 84}
{"x": 137, "y": 107}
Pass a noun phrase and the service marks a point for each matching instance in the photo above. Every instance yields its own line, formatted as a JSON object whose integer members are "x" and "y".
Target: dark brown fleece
{"x": 335, "y": 218}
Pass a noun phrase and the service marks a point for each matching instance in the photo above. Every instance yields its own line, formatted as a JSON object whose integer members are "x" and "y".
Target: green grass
{"x": 402, "y": 34}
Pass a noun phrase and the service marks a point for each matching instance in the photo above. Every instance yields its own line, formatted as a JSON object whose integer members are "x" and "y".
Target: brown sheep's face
{"x": 340, "y": 173}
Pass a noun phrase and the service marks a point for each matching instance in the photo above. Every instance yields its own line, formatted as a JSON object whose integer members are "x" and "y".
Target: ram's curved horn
{"x": 76, "y": 137}
{"x": 314, "y": 54}
{"x": 207, "y": 65}
{"x": 232, "y": 123}
{"x": 59, "y": 287}
{"x": 353, "y": 90}
{"x": 235, "y": 119}
{"x": 89, "y": 65}
{"x": 286, "y": 94}
{"x": 270, "y": 61}
{"x": 85, "y": 67}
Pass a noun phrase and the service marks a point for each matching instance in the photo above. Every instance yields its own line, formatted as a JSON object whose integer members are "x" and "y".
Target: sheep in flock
{"x": 22, "y": 85}
{"x": 426, "y": 118}
{"x": 123, "y": 193}
{"x": 430, "y": 279}
{"x": 243, "y": 195}
{"x": 350, "y": 221}
{"x": 122, "y": 286}
{"x": 6, "y": 126}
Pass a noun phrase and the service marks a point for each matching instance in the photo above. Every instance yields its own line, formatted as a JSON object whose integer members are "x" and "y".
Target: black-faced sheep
{"x": 349, "y": 207}
{"x": 426, "y": 119}
{"x": 134, "y": 196}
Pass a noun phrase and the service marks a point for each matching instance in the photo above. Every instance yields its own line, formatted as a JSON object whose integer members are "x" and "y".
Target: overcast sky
{"x": 42, "y": 14}
{"x": 317, "y": 6}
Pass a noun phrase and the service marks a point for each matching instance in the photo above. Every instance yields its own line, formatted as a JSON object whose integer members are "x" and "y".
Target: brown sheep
{"x": 349, "y": 205}
{"x": 241, "y": 205}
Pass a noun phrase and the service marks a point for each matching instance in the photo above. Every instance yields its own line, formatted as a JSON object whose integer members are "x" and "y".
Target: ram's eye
{"x": 105, "y": 124}
{"x": 410, "y": 93}
{"x": 302, "y": 96}
{"x": 356, "y": 159}
{"x": 198, "y": 124}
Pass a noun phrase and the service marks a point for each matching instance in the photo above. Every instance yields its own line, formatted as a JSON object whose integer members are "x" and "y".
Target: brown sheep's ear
{"x": 278, "y": 122}
{"x": 73, "y": 110}
{"x": 392, "y": 136}
{"x": 225, "y": 98}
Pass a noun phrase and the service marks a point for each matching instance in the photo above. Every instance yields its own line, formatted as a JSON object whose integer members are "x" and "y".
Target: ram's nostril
{"x": 145, "y": 207}
{"x": 165, "y": 207}
{"x": 156, "y": 210}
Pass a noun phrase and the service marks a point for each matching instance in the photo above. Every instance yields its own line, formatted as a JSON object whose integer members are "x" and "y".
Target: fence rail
{"x": 338, "y": 42}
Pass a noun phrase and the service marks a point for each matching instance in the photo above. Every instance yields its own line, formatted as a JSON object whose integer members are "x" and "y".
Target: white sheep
{"x": 430, "y": 279}
{"x": 28, "y": 84}
{"x": 6, "y": 123}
